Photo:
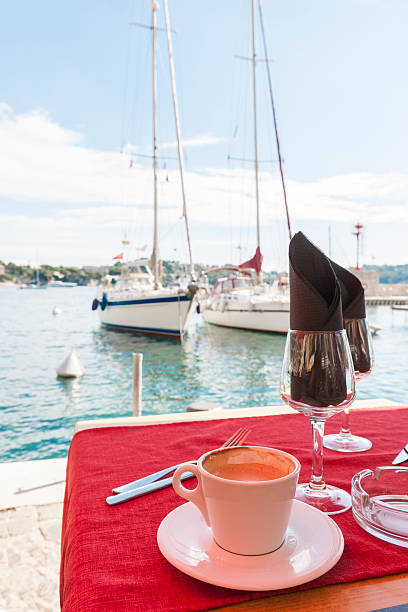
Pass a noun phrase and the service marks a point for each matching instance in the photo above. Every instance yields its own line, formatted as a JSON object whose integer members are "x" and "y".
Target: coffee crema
{"x": 248, "y": 464}
{"x": 249, "y": 472}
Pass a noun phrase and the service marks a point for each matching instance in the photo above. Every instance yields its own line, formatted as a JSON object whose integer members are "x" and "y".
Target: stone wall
{"x": 397, "y": 289}
{"x": 369, "y": 280}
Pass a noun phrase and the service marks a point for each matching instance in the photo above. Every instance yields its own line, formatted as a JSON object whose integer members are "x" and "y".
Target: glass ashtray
{"x": 380, "y": 503}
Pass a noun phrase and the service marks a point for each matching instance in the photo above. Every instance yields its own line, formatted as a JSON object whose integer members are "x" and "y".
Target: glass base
{"x": 346, "y": 443}
{"x": 329, "y": 500}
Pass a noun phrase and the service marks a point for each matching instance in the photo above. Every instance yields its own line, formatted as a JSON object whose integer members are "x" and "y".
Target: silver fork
{"x": 151, "y": 483}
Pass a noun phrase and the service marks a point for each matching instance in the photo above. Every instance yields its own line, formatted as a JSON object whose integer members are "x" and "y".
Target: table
{"x": 360, "y": 595}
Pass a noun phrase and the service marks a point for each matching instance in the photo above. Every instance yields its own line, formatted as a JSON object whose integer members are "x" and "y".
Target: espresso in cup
{"x": 245, "y": 495}
{"x": 241, "y": 463}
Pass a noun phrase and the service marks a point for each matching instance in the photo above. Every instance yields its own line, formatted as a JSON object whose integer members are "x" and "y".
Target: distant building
{"x": 2, "y": 269}
{"x": 369, "y": 279}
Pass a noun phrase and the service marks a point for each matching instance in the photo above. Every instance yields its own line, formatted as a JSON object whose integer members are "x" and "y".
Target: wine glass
{"x": 318, "y": 380}
{"x": 361, "y": 347}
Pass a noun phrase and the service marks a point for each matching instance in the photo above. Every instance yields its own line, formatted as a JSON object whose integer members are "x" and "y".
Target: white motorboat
{"x": 138, "y": 302}
{"x": 62, "y": 284}
{"x": 241, "y": 300}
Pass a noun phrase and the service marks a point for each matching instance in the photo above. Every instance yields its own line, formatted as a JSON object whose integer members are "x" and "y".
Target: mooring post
{"x": 137, "y": 383}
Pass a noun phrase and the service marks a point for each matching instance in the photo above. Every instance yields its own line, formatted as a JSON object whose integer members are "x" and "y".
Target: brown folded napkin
{"x": 352, "y": 293}
{"x": 354, "y": 313}
{"x": 315, "y": 305}
{"x": 315, "y": 296}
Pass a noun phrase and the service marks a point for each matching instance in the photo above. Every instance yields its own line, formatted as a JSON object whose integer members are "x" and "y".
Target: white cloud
{"x": 93, "y": 195}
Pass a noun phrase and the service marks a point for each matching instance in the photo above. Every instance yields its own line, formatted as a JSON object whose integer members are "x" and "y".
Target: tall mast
{"x": 179, "y": 144}
{"x": 275, "y": 121}
{"x": 155, "y": 252}
{"x": 258, "y": 236}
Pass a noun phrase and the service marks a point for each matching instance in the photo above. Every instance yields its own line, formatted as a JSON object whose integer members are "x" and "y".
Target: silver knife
{"x": 112, "y": 500}
{"x": 402, "y": 456}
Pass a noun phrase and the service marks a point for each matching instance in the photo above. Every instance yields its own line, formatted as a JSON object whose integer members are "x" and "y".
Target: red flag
{"x": 255, "y": 263}
{"x": 120, "y": 256}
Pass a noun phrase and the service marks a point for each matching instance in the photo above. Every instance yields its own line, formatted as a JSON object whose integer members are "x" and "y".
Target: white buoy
{"x": 56, "y": 310}
{"x": 71, "y": 366}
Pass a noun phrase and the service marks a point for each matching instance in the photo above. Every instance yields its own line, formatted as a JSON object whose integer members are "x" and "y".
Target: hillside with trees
{"x": 92, "y": 275}
{"x": 391, "y": 274}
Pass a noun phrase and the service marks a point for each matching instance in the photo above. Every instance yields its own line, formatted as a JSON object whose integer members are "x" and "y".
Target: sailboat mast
{"x": 155, "y": 252}
{"x": 258, "y": 233}
{"x": 275, "y": 121}
{"x": 178, "y": 131}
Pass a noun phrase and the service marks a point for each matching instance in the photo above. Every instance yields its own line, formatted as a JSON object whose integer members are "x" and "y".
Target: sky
{"x": 76, "y": 130}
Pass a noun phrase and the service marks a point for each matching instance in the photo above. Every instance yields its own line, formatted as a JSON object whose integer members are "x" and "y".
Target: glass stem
{"x": 345, "y": 423}
{"x": 317, "y": 480}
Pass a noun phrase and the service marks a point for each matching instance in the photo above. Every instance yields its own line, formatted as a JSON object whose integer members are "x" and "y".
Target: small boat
{"x": 138, "y": 302}
{"x": 35, "y": 284}
{"x": 59, "y": 283}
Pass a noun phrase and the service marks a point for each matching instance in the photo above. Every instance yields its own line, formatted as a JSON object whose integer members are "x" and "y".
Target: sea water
{"x": 230, "y": 367}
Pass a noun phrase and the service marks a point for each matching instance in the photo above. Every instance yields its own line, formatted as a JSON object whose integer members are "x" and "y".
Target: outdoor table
{"x": 102, "y": 566}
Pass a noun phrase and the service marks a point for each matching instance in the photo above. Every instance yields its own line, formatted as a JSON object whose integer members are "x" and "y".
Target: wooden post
{"x": 137, "y": 383}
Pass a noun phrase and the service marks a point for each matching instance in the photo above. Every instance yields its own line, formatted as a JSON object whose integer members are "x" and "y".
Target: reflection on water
{"x": 71, "y": 387}
{"x": 232, "y": 367}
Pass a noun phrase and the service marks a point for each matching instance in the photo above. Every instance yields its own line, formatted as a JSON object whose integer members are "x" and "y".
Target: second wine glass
{"x": 361, "y": 347}
{"x": 318, "y": 380}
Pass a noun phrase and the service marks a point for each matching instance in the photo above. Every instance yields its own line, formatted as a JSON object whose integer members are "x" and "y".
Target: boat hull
{"x": 162, "y": 316}
{"x": 274, "y": 321}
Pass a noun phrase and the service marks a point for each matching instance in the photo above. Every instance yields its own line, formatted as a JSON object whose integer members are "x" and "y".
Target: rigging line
{"x": 151, "y": 156}
{"x": 178, "y": 132}
{"x": 258, "y": 224}
{"x": 136, "y": 103}
{"x": 274, "y": 119}
{"x": 122, "y": 144}
{"x": 126, "y": 107}
{"x": 250, "y": 59}
{"x": 171, "y": 229}
{"x": 149, "y": 27}
{"x": 260, "y": 161}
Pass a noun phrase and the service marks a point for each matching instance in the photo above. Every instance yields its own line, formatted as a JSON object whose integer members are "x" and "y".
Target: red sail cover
{"x": 255, "y": 262}
{"x": 120, "y": 256}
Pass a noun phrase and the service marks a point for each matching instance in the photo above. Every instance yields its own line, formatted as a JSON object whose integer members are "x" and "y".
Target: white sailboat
{"x": 237, "y": 301}
{"x": 138, "y": 302}
{"x": 242, "y": 300}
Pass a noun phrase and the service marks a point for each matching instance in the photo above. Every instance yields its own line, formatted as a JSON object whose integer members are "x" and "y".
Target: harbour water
{"x": 235, "y": 368}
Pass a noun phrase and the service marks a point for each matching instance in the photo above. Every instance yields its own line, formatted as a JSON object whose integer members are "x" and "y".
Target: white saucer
{"x": 313, "y": 545}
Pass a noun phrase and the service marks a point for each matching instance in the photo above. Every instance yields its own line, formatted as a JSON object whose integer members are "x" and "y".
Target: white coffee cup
{"x": 245, "y": 495}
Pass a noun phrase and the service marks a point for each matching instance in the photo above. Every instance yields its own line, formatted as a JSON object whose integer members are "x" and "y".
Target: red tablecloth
{"x": 110, "y": 559}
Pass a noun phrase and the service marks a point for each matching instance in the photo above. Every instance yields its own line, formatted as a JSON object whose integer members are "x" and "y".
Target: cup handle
{"x": 194, "y": 495}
